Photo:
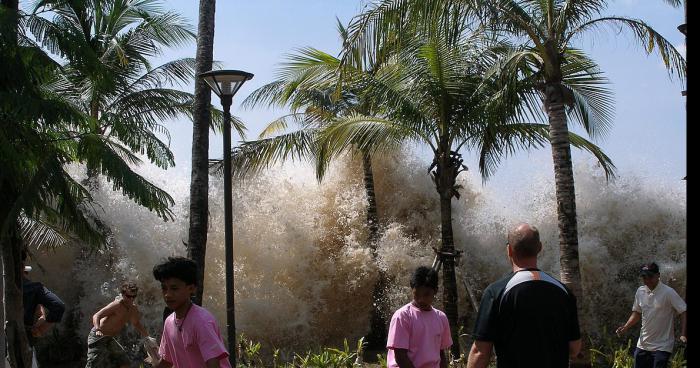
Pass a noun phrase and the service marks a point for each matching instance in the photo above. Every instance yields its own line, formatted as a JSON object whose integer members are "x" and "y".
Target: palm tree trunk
{"x": 18, "y": 352}
{"x": 92, "y": 181}
{"x": 445, "y": 181}
{"x": 566, "y": 203}
{"x": 9, "y": 5}
{"x": 3, "y": 341}
{"x": 199, "y": 185}
{"x": 372, "y": 215}
{"x": 376, "y": 338}
{"x": 565, "y": 194}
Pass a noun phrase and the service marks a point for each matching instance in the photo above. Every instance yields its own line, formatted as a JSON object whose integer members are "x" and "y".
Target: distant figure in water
{"x": 655, "y": 304}
{"x": 191, "y": 336}
{"x": 419, "y": 333}
{"x": 529, "y": 317}
{"x": 108, "y": 322}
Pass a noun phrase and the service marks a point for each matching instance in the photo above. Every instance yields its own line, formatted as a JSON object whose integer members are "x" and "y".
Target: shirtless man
{"x": 103, "y": 350}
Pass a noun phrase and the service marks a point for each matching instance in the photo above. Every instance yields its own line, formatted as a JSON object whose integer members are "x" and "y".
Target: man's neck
{"x": 523, "y": 264}
{"x": 125, "y": 304}
{"x": 182, "y": 311}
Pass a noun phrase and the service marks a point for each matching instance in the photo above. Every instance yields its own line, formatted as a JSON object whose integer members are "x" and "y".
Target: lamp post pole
{"x": 225, "y": 83}
{"x": 228, "y": 232}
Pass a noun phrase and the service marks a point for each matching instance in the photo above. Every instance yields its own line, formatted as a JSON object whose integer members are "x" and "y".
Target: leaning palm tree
{"x": 317, "y": 92}
{"x": 442, "y": 92}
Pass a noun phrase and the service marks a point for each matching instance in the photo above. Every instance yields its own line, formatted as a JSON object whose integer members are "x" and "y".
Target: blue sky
{"x": 648, "y": 138}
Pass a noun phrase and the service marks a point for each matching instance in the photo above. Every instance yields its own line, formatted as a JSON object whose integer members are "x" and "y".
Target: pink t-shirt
{"x": 199, "y": 340}
{"x": 423, "y": 333}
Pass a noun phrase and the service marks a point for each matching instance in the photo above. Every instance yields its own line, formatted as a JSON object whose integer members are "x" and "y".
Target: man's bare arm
{"x": 684, "y": 337}
{"x": 574, "y": 348}
{"x": 41, "y": 326}
{"x": 634, "y": 318}
{"x": 136, "y": 322}
{"x": 213, "y": 363}
{"x": 104, "y": 312}
{"x": 480, "y": 354}
{"x": 402, "y": 360}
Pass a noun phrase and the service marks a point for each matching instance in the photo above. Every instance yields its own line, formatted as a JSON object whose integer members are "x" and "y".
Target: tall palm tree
{"x": 199, "y": 180}
{"x": 436, "y": 94}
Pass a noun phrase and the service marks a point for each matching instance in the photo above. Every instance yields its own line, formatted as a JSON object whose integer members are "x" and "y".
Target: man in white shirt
{"x": 656, "y": 305}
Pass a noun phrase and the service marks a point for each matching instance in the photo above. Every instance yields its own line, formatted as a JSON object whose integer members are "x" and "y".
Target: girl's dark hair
{"x": 424, "y": 276}
{"x": 177, "y": 267}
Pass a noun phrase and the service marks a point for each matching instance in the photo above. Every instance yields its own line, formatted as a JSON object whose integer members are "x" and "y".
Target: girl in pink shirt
{"x": 419, "y": 333}
{"x": 191, "y": 337}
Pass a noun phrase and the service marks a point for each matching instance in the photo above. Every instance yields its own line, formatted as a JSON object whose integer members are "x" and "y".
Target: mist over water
{"x": 304, "y": 276}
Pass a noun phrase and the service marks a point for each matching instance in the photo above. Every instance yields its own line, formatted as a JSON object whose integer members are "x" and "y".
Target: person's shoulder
{"x": 170, "y": 320}
{"x": 497, "y": 286}
{"x": 403, "y": 312}
{"x": 440, "y": 313}
{"x": 203, "y": 314}
{"x": 29, "y": 285}
{"x": 668, "y": 289}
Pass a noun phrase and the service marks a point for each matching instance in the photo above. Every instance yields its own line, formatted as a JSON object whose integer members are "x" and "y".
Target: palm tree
{"x": 199, "y": 181}
{"x": 39, "y": 197}
{"x": 311, "y": 84}
{"x": 437, "y": 94}
{"x": 109, "y": 78}
{"x": 547, "y": 30}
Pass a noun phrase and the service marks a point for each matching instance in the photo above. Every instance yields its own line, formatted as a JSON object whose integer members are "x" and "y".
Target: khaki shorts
{"x": 104, "y": 352}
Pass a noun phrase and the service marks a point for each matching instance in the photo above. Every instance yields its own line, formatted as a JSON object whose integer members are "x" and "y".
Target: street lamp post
{"x": 225, "y": 83}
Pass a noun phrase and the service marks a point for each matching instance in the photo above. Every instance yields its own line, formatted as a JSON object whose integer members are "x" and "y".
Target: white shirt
{"x": 657, "y": 308}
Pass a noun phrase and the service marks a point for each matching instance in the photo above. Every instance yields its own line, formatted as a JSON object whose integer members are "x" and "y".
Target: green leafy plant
{"x": 678, "y": 359}
{"x": 250, "y": 352}
{"x": 381, "y": 359}
{"x": 329, "y": 358}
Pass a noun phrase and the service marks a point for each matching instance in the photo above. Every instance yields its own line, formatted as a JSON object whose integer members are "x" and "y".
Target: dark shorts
{"x": 650, "y": 359}
{"x": 104, "y": 352}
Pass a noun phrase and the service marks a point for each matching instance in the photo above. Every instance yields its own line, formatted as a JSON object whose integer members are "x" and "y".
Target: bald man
{"x": 529, "y": 317}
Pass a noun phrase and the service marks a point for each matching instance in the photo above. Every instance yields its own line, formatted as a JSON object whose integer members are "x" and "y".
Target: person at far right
{"x": 655, "y": 304}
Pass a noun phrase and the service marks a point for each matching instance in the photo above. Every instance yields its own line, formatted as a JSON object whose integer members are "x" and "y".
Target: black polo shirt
{"x": 530, "y": 317}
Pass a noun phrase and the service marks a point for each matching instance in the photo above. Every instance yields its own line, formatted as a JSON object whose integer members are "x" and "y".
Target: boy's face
{"x": 423, "y": 297}
{"x": 176, "y": 292}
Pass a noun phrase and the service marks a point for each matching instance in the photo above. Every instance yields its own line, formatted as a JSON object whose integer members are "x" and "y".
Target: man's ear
{"x": 539, "y": 247}
{"x": 509, "y": 250}
{"x": 192, "y": 289}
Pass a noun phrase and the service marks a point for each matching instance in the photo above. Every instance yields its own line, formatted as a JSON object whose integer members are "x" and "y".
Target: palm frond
{"x": 366, "y": 133}
{"x": 254, "y": 156}
{"x": 593, "y": 102}
{"x": 97, "y": 153}
{"x": 647, "y": 37}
